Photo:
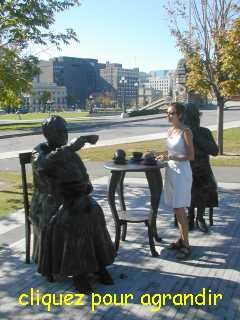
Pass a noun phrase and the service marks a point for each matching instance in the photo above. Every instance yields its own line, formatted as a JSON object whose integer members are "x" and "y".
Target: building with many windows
{"x": 162, "y": 81}
{"x": 57, "y": 96}
{"x": 122, "y": 82}
{"x": 80, "y": 76}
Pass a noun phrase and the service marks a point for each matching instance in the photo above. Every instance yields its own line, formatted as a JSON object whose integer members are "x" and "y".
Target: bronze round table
{"x": 122, "y": 217}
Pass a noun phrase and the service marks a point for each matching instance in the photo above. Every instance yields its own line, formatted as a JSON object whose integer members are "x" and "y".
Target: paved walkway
{"x": 214, "y": 265}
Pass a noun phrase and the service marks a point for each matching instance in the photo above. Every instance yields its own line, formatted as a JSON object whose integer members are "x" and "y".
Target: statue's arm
{"x": 77, "y": 143}
{"x": 45, "y": 160}
{"x": 205, "y": 141}
{"x": 39, "y": 157}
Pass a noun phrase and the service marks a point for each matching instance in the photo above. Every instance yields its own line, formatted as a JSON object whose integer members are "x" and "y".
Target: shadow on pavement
{"x": 214, "y": 265}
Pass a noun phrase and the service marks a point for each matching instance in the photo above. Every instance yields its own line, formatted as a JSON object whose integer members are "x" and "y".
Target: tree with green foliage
{"x": 21, "y": 23}
{"x": 9, "y": 101}
{"x": 103, "y": 100}
{"x": 44, "y": 99}
{"x": 16, "y": 73}
{"x": 207, "y": 32}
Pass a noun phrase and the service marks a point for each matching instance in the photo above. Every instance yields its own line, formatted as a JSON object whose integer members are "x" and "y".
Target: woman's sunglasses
{"x": 171, "y": 113}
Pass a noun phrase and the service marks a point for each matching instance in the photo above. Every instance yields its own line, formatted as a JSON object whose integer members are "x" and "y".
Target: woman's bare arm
{"x": 188, "y": 139}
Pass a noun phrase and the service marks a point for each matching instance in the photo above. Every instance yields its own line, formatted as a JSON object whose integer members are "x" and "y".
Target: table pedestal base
{"x": 116, "y": 185}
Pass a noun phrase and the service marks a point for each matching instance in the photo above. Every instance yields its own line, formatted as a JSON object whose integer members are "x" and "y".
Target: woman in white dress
{"x": 178, "y": 174}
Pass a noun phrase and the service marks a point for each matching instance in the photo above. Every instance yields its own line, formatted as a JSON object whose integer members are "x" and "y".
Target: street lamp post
{"x": 136, "y": 84}
{"x": 91, "y": 104}
{"x": 27, "y": 100}
{"x": 123, "y": 82}
{"x": 49, "y": 105}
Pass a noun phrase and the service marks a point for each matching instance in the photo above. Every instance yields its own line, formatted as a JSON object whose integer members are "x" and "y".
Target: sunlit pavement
{"x": 213, "y": 266}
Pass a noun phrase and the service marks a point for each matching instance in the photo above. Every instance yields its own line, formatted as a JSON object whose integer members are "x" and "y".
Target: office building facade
{"x": 162, "y": 81}
{"x": 57, "y": 96}
{"x": 80, "y": 76}
{"x": 122, "y": 82}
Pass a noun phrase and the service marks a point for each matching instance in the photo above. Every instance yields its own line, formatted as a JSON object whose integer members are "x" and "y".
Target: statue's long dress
{"x": 44, "y": 204}
{"x": 204, "y": 186}
{"x": 77, "y": 240}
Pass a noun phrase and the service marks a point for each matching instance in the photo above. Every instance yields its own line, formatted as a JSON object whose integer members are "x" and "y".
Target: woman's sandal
{"x": 176, "y": 245}
{"x": 183, "y": 253}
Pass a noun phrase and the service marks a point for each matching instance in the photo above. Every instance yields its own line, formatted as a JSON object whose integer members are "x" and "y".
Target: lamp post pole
{"x": 136, "y": 84}
{"x": 49, "y": 105}
{"x": 123, "y": 82}
{"x": 91, "y": 104}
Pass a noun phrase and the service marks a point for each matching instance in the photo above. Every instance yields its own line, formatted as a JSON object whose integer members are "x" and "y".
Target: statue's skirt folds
{"x": 76, "y": 241}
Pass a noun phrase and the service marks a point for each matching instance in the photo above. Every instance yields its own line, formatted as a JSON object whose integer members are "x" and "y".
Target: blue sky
{"x": 132, "y": 32}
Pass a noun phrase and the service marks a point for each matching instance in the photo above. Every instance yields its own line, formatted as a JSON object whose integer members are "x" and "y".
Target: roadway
{"x": 109, "y": 131}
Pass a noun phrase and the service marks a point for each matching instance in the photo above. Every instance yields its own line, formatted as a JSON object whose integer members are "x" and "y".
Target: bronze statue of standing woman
{"x": 204, "y": 186}
{"x": 70, "y": 232}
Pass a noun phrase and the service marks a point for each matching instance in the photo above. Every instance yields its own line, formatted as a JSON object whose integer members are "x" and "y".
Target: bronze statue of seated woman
{"x": 70, "y": 232}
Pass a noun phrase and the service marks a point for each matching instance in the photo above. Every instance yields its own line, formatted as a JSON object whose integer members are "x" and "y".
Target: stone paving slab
{"x": 12, "y": 221}
{"x": 214, "y": 265}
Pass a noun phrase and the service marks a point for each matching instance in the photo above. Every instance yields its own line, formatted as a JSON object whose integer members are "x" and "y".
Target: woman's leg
{"x": 183, "y": 224}
{"x": 184, "y": 251}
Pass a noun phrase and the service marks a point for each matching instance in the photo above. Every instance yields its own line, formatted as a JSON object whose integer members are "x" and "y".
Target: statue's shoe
{"x": 104, "y": 277}
{"x": 82, "y": 284}
{"x": 201, "y": 224}
{"x": 50, "y": 278}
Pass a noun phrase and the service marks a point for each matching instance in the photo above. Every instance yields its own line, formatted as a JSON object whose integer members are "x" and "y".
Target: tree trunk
{"x": 220, "y": 102}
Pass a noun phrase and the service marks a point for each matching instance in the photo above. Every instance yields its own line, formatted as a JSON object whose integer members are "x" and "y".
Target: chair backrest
{"x": 25, "y": 158}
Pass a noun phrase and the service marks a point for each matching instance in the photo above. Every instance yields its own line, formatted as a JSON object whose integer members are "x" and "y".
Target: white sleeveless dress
{"x": 178, "y": 175}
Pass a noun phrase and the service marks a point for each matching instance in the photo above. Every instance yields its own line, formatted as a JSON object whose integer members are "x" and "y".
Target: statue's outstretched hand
{"x": 77, "y": 143}
{"x": 92, "y": 139}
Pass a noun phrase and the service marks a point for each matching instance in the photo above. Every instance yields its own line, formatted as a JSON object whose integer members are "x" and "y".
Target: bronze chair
{"x": 25, "y": 158}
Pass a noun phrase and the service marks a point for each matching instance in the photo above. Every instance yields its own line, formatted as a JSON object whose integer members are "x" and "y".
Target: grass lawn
{"x": 10, "y": 181}
{"x": 231, "y": 140}
{"x": 106, "y": 153}
{"x": 19, "y": 126}
{"x": 231, "y": 149}
{"x": 36, "y": 116}
{"x": 11, "y": 197}
{"x": 9, "y": 127}
{"x": 33, "y": 116}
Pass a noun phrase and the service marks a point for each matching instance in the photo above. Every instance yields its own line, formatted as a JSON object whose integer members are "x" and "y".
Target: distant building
{"x": 57, "y": 100}
{"x": 146, "y": 95}
{"x": 181, "y": 92}
{"x": 159, "y": 73}
{"x": 160, "y": 84}
{"x": 162, "y": 80}
{"x": 181, "y": 89}
{"x": 79, "y": 75}
{"x": 143, "y": 78}
{"x": 122, "y": 82}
